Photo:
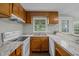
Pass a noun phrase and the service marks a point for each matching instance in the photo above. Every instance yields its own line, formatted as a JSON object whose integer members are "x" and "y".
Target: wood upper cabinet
{"x": 28, "y": 17}
{"x": 39, "y": 13}
{"x": 15, "y": 9}
{"x": 45, "y": 44}
{"x": 53, "y": 18}
{"x": 21, "y": 11}
{"x": 39, "y": 44}
{"x": 24, "y": 15}
{"x": 5, "y": 9}
{"x": 60, "y": 51}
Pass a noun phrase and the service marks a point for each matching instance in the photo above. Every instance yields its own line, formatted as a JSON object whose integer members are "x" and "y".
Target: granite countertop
{"x": 38, "y": 35}
{"x": 8, "y": 47}
{"x": 68, "y": 43}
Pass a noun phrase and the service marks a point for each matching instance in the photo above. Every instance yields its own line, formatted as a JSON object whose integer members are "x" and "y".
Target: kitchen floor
{"x": 40, "y": 54}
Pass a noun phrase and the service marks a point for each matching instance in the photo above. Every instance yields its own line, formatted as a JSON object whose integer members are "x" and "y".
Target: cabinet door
{"x": 19, "y": 51}
{"x": 28, "y": 18}
{"x": 15, "y": 9}
{"x": 4, "y": 9}
{"x": 53, "y": 18}
{"x": 44, "y": 44}
{"x": 35, "y": 44}
{"x": 21, "y": 11}
{"x": 24, "y": 15}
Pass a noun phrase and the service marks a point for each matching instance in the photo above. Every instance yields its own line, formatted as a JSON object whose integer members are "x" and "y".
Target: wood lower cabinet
{"x": 35, "y": 44}
{"x": 17, "y": 52}
{"x": 39, "y": 44}
{"x": 13, "y": 54}
{"x": 44, "y": 44}
{"x": 59, "y": 51}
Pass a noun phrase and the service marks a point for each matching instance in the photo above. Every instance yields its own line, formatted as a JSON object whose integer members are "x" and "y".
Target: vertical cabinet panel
{"x": 28, "y": 18}
{"x": 24, "y": 15}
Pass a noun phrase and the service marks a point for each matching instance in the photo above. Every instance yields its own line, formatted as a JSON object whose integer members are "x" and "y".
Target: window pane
{"x": 65, "y": 25}
{"x": 40, "y": 25}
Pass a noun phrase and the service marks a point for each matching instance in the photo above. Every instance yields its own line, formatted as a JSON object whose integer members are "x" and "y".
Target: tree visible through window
{"x": 40, "y": 24}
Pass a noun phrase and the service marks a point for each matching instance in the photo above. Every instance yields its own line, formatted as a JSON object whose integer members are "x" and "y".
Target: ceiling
{"x": 67, "y": 9}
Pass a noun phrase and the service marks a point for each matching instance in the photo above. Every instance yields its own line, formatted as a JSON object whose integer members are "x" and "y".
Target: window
{"x": 39, "y": 24}
{"x": 76, "y": 28}
{"x": 65, "y": 25}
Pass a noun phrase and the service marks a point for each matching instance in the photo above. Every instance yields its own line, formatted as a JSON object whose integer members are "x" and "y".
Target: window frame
{"x": 40, "y": 17}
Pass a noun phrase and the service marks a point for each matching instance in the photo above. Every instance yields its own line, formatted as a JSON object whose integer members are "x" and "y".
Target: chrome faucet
{"x": 2, "y": 37}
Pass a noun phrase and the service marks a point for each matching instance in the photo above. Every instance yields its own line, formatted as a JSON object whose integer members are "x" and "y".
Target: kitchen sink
{"x": 20, "y": 39}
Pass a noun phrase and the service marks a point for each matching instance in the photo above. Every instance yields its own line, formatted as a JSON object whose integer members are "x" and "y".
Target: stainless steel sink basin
{"x": 19, "y": 39}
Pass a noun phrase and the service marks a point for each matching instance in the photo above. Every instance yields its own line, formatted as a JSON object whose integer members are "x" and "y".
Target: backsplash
{"x": 28, "y": 28}
{"x": 7, "y": 26}
{"x": 12, "y": 35}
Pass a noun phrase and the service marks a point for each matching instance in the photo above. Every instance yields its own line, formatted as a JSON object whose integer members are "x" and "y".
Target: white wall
{"x": 6, "y": 25}
{"x": 28, "y": 28}
{"x": 53, "y": 27}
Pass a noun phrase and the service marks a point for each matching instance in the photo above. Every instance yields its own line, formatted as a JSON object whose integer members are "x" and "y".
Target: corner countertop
{"x": 68, "y": 43}
{"x": 8, "y": 47}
